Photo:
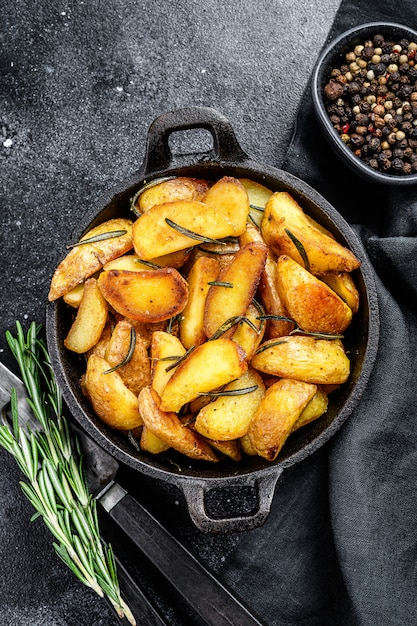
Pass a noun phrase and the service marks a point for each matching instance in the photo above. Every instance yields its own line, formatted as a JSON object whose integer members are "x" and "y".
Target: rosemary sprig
{"x": 229, "y": 392}
{"x": 300, "y": 249}
{"x": 130, "y": 351}
{"x": 101, "y": 237}
{"x": 49, "y": 456}
{"x": 191, "y": 233}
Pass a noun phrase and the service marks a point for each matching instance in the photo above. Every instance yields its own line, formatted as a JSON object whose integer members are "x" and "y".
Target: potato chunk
{"x": 163, "y": 347}
{"x": 136, "y": 373}
{"x": 243, "y": 276}
{"x": 90, "y": 321}
{"x": 180, "y": 188}
{"x": 113, "y": 402}
{"x": 318, "y": 361}
{"x": 309, "y": 301}
{"x": 209, "y": 366}
{"x": 154, "y": 237}
{"x": 146, "y": 296}
{"x": 204, "y": 270}
{"x": 276, "y": 415}
{"x": 228, "y": 417}
{"x": 344, "y": 285}
{"x": 325, "y": 254}
{"x": 168, "y": 428}
{"x": 228, "y": 196}
{"x": 258, "y": 197}
{"x": 86, "y": 259}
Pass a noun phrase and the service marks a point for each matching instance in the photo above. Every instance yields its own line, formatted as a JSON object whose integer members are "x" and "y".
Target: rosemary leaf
{"x": 132, "y": 346}
{"x": 220, "y": 283}
{"x": 153, "y": 266}
{"x": 270, "y": 345}
{"x": 227, "y": 325}
{"x": 189, "y": 233}
{"x": 280, "y": 318}
{"x": 257, "y": 208}
{"x": 230, "y": 392}
{"x": 180, "y": 359}
{"x": 111, "y": 234}
{"x": 300, "y": 249}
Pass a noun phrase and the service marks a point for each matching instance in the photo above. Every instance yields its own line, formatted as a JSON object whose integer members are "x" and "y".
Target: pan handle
{"x": 195, "y": 492}
{"x": 158, "y": 155}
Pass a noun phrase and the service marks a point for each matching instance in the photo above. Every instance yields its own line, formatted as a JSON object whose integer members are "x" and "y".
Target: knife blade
{"x": 204, "y": 592}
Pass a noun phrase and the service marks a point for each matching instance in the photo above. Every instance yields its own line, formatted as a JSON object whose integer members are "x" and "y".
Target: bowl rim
{"x": 330, "y": 50}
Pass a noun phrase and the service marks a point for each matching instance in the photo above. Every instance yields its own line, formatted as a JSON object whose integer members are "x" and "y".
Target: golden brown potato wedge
{"x": 344, "y": 285}
{"x": 149, "y": 442}
{"x": 100, "y": 347}
{"x": 258, "y": 197}
{"x": 228, "y": 417}
{"x": 168, "y": 427}
{"x": 113, "y": 402}
{"x": 86, "y": 259}
{"x": 181, "y": 188}
{"x": 276, "y": 415}
{"x": 283, "y": 215}
{"x": 136, "y": 373}
{"x": 74, "y": 296}
{"x": 228, "y": 196}
{"x": 241, "y": 280}
{"x": 154, "y": 237}
{"x": 209, "y": 366}
{"x": 231, "y": 449}
{"x": 204, "y": 270}
{"x": 314, "y": 409}
{"x": 249, "y": 335}
{"x": 268, "y": 291}
{"x": 317, "y": 361}
{"x": 164, "y": 347}
{"x": 90, "y": 321}
{"x": 309, "y": 301}
{"x": 145, "y": 296}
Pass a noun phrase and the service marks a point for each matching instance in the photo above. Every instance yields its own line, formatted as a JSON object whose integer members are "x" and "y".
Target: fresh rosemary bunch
{"x": 50, "y": 457}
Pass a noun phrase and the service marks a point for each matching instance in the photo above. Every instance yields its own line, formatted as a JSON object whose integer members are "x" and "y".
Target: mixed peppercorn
{"x": 371, "y": 100}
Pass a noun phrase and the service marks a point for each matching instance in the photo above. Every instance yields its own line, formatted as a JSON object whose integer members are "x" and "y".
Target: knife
{"x": 205, "y": 593}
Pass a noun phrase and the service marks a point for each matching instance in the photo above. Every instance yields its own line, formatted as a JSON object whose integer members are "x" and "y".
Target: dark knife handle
{"x": 211, "y": 600}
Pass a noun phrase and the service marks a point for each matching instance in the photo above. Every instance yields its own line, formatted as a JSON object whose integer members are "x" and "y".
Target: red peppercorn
{"x": 345, "y": 127}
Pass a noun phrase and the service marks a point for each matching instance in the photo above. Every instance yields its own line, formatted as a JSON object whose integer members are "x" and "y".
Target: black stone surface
{"x": 80, "y": 84}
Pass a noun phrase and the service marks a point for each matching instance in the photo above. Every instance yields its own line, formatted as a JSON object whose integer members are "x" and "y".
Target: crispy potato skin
{"x": 168, "y": 427}
{"x": 85, "y": 260}
{"x": 316, "y": 361}
{"x": 209, "y": 366}
{"x": 180, "y": 188}
{"x": 309, "y": 301}
{"x": 113, "y": 402}
{"x": 136, "y": 373}
{"x": 146, "y": 296}
{"x": 277, "y": 413}
{"x": 243, "y": 274}
{"x": 90, "y": 321}
{"x": 283, "y": 213}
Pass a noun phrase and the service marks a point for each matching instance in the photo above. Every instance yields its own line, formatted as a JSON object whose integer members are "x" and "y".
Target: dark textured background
{"x": 81, "y": 82}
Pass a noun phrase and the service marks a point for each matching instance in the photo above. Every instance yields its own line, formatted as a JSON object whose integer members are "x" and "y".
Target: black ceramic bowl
{"x": 196, "y": 478}
{"x": 333, "y": 56}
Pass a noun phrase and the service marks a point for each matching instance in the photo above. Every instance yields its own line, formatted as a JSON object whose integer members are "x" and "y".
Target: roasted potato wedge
{"x": 258, "y": 197}
{"x": 90, "y": 321}
{"x": 309, "y": 301}
{"x": 180, "y": 188}
{"x": 228, "y": 417}
{"x": 317, "y": 361}
{"x": 149, "y": 442}
{"x": 163, "y": 348}
{"x": 249, "y": 333}
{"x": 241, "y": 279}
{"x": 282, "y": 216}
{"x": 113, "y": 402}
{"x": 86, "y": 259}
{"x": 204, "y": 270}
{"x": 267, "y": 287}
{"x": 136, "y": 373}
{"x": 74, "y": 296}
{"x": 344, "y": 285}
{"x": 145, "y": 296}
{"x": 276, "y": 415}
{"x": 168, "y": 427}
{"x": 228, "y": 196}
{"x": 154, "y": 237}
{"x": 314, "y": 409}
{"x": 209, "y": 366}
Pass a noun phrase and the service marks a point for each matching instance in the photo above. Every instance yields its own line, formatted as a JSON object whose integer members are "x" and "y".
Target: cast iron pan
{"x": 195, "y": 478}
